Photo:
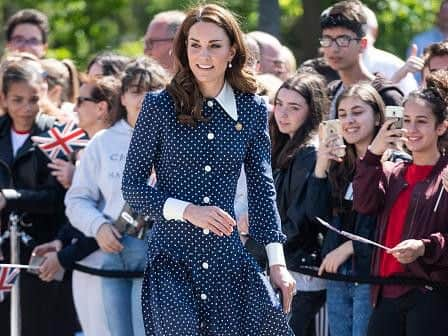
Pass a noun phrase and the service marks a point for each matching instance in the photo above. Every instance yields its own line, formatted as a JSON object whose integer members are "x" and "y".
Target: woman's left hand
{"x": 282, "y": 279}
{"x": 408, "y": 251}
{"x": 49, "y": 267}
{"x": 336, "y": 258}
{"x": 242, "y": 224}
{"x": 445, "y": 178}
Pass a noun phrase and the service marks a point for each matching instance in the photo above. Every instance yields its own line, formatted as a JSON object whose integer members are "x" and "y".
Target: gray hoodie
{"x": 95, "y": 195}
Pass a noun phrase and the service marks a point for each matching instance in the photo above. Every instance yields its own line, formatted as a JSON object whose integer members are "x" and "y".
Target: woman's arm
{"x": 264, "y": 220}
{"x": 46, "y": 198}
{"x": 318, "y": 198}
{"x": 144, "y": 147}
{"x": 370, "y": 182}
{"x": 84, "y": 198}
{"x": 369, "y": 185}
{"x": 301, "y": 171}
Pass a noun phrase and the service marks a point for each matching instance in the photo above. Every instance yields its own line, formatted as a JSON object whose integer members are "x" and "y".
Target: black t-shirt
{"x": 390, "y": 93}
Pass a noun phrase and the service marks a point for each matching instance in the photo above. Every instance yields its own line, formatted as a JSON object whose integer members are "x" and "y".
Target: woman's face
{"x": 95, "y": 71}
{"x": 22, "y": 103}
{"x": 132, "y": 99}
{"x": 290, "y": 111}
{"x": 357, "y": 121}
{"x": 421, "y": 126}
{"x": 209, "y": 52}
{"x": 87, "y": 110}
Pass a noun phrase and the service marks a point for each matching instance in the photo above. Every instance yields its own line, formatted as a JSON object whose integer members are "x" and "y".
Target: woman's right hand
{"x": 327, "y": 152}
{"x": 386, "y": 138}
{"x": 210, "y": 217}
{"x": 108, "y": 237}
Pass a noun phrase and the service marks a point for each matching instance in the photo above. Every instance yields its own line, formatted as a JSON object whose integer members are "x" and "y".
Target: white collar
{"x": 226, "y": 98}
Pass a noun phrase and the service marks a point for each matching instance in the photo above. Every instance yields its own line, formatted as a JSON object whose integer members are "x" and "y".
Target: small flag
{"x": 61, "y": 140}
{"x": 8, "y": 276}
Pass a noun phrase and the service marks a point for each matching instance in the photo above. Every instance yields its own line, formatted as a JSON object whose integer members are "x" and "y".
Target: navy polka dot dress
{"x": 197, "y": 283}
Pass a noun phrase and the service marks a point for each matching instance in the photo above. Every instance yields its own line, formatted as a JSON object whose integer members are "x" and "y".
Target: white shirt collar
{"x": 226, "y": 98}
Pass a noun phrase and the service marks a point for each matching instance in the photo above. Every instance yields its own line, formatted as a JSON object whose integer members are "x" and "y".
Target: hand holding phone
{"x": 333, "y": 130}
{"x": 396, "y": 113}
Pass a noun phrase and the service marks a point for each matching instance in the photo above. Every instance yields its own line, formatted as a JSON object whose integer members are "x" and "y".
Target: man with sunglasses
{"x": 27, "y": 31}
{"x": 159, "y": 37}
{"x": 342, "y": 42}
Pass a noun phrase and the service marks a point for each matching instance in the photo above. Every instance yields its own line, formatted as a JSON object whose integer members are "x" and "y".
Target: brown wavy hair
{"x": 108, "y": 89}
{"x": 342, "y": 174}
{"x": 313, "y": 89}
{"x": 183, "y": 88}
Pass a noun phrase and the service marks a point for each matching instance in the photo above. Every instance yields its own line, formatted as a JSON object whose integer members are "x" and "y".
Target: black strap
{"x": 312, "y": 271}
{"x": 375, "y": 280}
{"x": 108, "y": 273}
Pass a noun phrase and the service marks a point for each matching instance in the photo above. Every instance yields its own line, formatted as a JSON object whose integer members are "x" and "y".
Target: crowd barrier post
{"x": 15, "y": 259}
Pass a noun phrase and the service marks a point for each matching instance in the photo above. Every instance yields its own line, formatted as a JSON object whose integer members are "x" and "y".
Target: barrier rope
{"x": 108, "y": 273}
{"x": 306, "y": 270}
{"x": 375, "y": 280}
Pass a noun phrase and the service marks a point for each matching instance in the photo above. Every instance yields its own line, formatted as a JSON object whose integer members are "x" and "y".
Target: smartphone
{"x": 333, "y": 127}
{"x": 36, "y": 260}
{"x": 395, "y": 112}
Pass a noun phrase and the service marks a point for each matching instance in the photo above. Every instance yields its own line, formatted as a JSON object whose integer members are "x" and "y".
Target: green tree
{"x": 399, "y": 21}
{"x": 82, "y": 28}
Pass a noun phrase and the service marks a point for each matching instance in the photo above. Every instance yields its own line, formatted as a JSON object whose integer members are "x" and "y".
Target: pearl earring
{"x": 230, "y": 65}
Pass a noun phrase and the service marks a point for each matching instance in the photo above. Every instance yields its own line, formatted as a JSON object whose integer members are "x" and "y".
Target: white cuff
{"x": 11, "y": 194}
{"x": 275, "y": 254}
{"x": 173, "y": 209}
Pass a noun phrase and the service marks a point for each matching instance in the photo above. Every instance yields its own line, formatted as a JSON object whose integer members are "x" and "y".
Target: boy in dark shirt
{"x": 343, "y": 41}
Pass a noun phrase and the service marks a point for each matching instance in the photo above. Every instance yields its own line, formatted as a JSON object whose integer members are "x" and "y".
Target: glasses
{"x": 149, "y": 43}
{"x": 342, "y": 41}
{"x": 80, "y": 100}
{"x": 20, "y": 41}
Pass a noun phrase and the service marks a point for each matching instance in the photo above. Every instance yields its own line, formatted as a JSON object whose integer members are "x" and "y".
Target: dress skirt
{"x": 214, "y": 291}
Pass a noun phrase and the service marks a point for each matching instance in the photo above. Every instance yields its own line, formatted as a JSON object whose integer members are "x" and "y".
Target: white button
{"x": 203, "y": 296}
{"x": 210, "y": 103}
{"x": 208, "y": 169}
{"x": 206, "y": 199}
{"x": 210, "y": 136}
{"x": 206, "y": 231}
{"x": 205, "y": 265}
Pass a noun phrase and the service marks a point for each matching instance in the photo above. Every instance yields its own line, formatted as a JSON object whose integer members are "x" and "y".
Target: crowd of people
{"x": 193, "y": 208}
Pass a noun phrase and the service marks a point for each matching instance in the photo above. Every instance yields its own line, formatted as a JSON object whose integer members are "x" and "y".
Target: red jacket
{"x": 376, "y": 187}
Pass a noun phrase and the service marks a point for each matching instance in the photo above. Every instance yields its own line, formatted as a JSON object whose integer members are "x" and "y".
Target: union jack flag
{"x": 8, "y": 276}
{"x": 61, "y": 140}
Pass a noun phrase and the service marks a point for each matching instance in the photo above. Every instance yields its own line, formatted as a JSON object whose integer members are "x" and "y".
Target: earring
{"x": 230, "y": 65}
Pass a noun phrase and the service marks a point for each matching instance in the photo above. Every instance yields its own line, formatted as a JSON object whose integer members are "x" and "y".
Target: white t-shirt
{"x": 18, "y": 139}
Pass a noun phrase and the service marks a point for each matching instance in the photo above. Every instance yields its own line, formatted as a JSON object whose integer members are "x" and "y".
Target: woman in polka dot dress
{"x": 199, "y": 279}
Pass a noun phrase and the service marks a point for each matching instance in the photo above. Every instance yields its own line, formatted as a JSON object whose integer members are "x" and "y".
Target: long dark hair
{"x": 341, "y": 174}
{"x": 183, "y": 88}
{"x": 312, "y": 88}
